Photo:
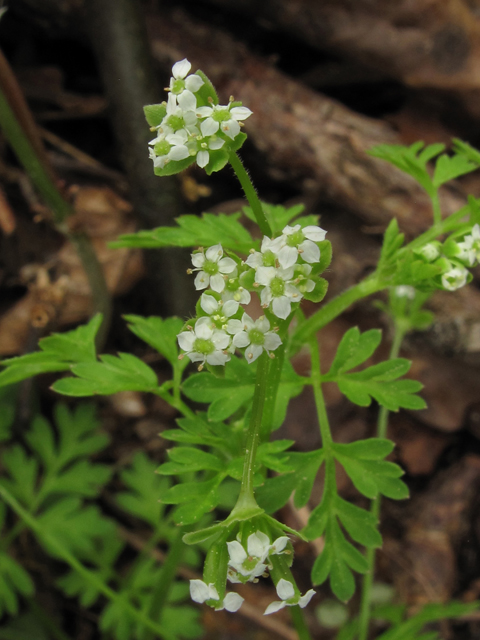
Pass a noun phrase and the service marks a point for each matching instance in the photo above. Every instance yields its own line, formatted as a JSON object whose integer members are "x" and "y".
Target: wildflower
{"x": 183, "y": 87}
{"x": 210, "y": 267}
{"x": 247, "y": 566}
{"x": 172, "y": 147}
{"x": 302, "y": 242}
{"x": 178, "y": 119}
{"x": 255, "y": 335}
{"x": 405, "y": 291}
{"x": 303, "y": 283}
{"x": 218, "y": 311}
{"x": 455, "y": 278}
{"x": 205, "y": 344}
{"x": 201, "y": 592}
{"x": 288, "y": 597}
{"x": 268, "y": 254}
{"x": 234, "y": 291}
{"x": 225, "y": 118}
{"x": 278, "y": 290}
{"x": 201, "y": 147}
{"x": 430, "y": 251}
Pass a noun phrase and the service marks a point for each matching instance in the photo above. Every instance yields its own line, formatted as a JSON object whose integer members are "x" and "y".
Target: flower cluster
{"x": 190, "y": 126}
{"x": 454, "y": 258}
{"x": 281, "y": 272}
{"x": 247, "y": 565}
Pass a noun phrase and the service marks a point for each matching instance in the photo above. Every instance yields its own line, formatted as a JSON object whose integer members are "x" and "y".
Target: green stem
{"x": 274, "y": 375}
{"x": 166, "y": 578}
{"x": 63, "y": 553}
{"x": 299, "y": 623}
{"x": 316, "y": 377}
{"x": 437, "y": 212}
{"x": 382, "y": 425}
{"x": 334, "y": 308}
{"x": 251, "y": 194}
{"x": 246, "y": 499}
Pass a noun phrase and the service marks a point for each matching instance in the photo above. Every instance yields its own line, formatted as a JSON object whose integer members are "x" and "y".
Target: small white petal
{"x": 214, "y": 253}
{"x": 253, "y": 352}
{"x": 272, "y": 342}
{"x": 200, "y": 592}
{"x": 266, "y": 296}
{"x": 194, "y": 82}
{"x": 178, "y": 153}
{"x": 196, "y": 357}
{"x": 285, "y": 589}
{"x": 230, "y": 308}
{"x": 203, "y": 328}
{"x": 262, "y": 324}
{"x": 236, "y": 552}
{"x": 204, "y": 112}
{"x": 208, "y": 303}
{"x": 217, "y": 283}
{"x": 264, "y": 275}
{"x": 202, "y": 158}
{"x": 281, "y": 307}
{"x": 287, "y": 256}
{"x": 255, "y": 260}
{"x": 187, "y": 100}
{"x": 234, "y": 326}
{"x": 241, "y": 339}
{"x": 186, "y": 340}
{"x": 240, "y": 113}
{"x": 304, "y": 600}
{"x": 180, "y": 137}
{"x": 216, "y": 144}
{"x": 311, "y": 252}
{"x": 220, "y": 339}
{"x": 279, "y": 545}
{"x": 288, "y": 231}
{"x": 226, "y": 265}
{"x": 181, "y": 68}
{"x": 317, "y": 234}
{"x": 273, "y": 607}
{"x": 218, "y": 358}
{"x": 201, "y": 281}
{"x": 209, "y": 126}
{"x": 231, "y": 128}
{"x": 198, "y": 259}
{"x": 232, "y": 602}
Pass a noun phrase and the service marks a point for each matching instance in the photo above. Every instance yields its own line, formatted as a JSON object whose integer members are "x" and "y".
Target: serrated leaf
{"x": 113, "y": 374}
{"x": 159, "y": 334}
{"x": 23, "y": 472}
{"x": 188, "y": 459}
{"x": 194, "y": 231}
{"x": 369, "y": 449}
{"x": 322, "y": 565}
{"x": 14, "y": 582}
{"x": 360, "y": 524}
{"x": 195, "y": 498}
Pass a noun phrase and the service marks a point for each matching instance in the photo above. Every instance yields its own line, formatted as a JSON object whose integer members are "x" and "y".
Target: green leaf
{"x": 14, "y": 582}
{"x": 145, "y": 490}
{"x": 374, "y": 477}
{"x": 173, "y": 167}
{"x": 353, "y": 350}
{"x": 369, "y": 449}
{"x": 124, "y": 372}
{"x": 206, "y": 95}
{"x": 56, "y": 353}
{"x": 196, "y": 499}
{"x": 188, "y": 459}
{"x": 159, "y": 334}
{"x": 23, "y": 472}
{"x": 194, "y": 231}
{"x": 77, "y": 527}
{"x": 448, "y": 168}
{"x": 392, "y": 242}
{"x": 360, "y": 524}
{"x": 155, "y": 113}
{"x": 8, "y": 402}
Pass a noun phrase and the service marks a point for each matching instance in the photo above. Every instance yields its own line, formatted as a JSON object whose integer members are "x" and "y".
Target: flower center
{"x": 250, "y": 563}
{"x": 162, "y": 148}
{"x": 277, "y": 287}
{"x": 203, "y": 346}
{"x": 256, "y": 336}
{"x": 175, "y": 122}
{"x": 232, "y": 284}
{"x": 178, "y": 86}
{"x": 295, "y": 239}
{"x": 221, "y": 115}
{"x": 210, "y": 267}
{"x": 269, "y": 259}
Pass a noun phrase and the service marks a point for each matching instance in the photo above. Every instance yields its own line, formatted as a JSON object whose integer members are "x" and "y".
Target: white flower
{"x": 246, "y": 567}
{"x": 218, "y": 311}
{"x": 178, "y": 118}
{"x": 225, "y": 118}
{"x": 201, "y": 592}
{"x": 278, "y": 546}
{"x": 205, "y": 344}
{"x": 302, "y": 242}
{"x": 210, "y": 267}
{"x": 455, "y": 278}
{"x": 278, "y": 290}
{"x": 470, "y": 247}
{"x": 288, "y": 598}
{"x": 172, "y": 147}
{"x": 430, "y": 251}
{"x": 234, "y": 291}
{"x": 183, "y": 87}
{"x": 256, "y": 336}
{"x": 268, "y": 254}
{"x": 202, "y": 148}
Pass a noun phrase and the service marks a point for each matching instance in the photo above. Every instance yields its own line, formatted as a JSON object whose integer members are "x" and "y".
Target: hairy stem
{"x": 382, "y": 425}
{"x": 63, "y": 553}
{"x": 250, "y": 193}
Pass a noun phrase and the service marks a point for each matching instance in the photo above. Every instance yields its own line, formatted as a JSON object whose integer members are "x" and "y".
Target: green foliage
{"x": 14, "y": 582}
{"x": 379, "y": 381}
{"x": 278, "y": 216}
{"x": 57, "y": 353}
{"x": 194, "y": 231}
{"x": 159, "y": 334}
